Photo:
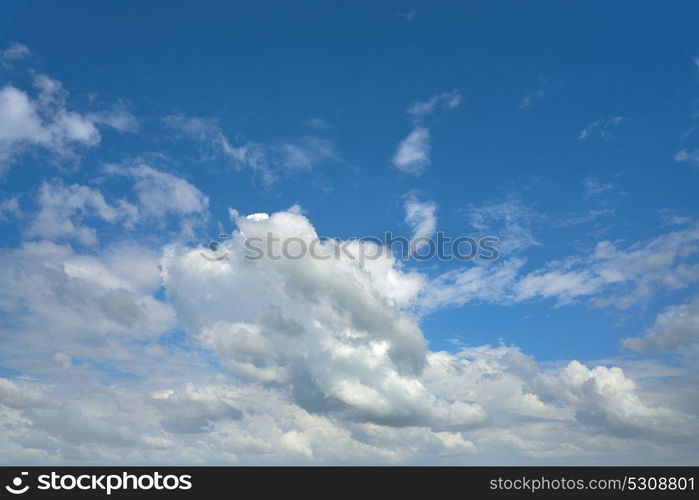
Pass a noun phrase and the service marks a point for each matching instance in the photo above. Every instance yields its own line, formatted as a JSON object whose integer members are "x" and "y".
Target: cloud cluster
{"x": 320, "y": 327}
{"x": 307, "y": 361}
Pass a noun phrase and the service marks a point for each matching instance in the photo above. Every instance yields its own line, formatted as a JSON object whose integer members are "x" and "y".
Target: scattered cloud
{"x": 269, "y": 162}
{"x": 422, "y": 219}
{"x": 118, "y": 117}
{"x": 510, "y": 220}
{"x": 14, "y": 52}
{"x": 617, "y": 277}
{"x": 529, "y": 99}
{"x": 593, "y": 187}
{"x": 602, "y": 128}
{"x": 685, "y": 155}
{"x": 407, "y": 16}
{"x": 10, "y": 206}
{"x": 445, "y": 101}
{"x": 610, "y": 276}
{"x": 413, "y": 153}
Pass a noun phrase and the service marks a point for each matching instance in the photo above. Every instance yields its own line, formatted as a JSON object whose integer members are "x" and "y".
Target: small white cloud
{"x": 422, "y": 219}
{"x": 445, "y": 100}
{"x": 413, "y": 153}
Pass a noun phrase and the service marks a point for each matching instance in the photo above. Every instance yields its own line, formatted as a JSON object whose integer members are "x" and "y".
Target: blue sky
{"x": 565, "y": 130}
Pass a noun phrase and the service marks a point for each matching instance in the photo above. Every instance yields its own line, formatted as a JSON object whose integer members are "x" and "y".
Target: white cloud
{"x": 330, "y": 333}
{"x": 320, "y": 364}
{"x": 422, "y": 219}
{"x": 413, "y": 154}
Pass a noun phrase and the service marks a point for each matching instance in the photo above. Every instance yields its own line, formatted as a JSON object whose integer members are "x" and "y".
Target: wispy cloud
{"x": 602, "y": 128}
{"x": 14, "y": 52}
{"x": 444, "y": 101}
{"x": 269, "y": 162}
{"x": 529, "y": 99}
{"x": 685, "y": 155}
{"x": 593, "y": 187}
{"x": 407, "y": 16}
{"x": 421, "y": 216}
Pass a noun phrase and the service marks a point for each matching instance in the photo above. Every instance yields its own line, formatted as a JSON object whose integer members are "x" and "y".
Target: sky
{"x": 132, "y": 136}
